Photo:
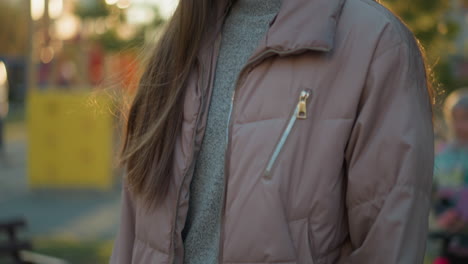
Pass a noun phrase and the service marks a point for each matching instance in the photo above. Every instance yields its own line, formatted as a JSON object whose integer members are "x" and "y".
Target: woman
{"x": 279, "y": 132}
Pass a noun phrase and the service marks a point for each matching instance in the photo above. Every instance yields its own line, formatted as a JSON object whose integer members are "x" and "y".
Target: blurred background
{"x": 64, "y": 66}
{"x": 63, "y": 63}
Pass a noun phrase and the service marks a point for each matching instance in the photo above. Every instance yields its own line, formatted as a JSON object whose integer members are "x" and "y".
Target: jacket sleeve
{"x": 389, "y": 160}
{"x": 123, "y": 245}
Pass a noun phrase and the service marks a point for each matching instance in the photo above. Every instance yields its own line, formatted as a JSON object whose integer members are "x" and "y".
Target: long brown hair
{"x": 155, "y": 115}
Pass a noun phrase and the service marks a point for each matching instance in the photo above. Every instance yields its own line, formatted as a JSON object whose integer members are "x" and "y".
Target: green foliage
{"x": 426, "y": 18}
{"x": 91, "y": 9}
{"x": 435, "y": 28}
{"x": 112, "y": 42}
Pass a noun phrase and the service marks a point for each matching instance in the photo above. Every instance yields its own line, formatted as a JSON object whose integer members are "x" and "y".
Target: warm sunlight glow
{"x": 111, "y": 2}
{"x": 140, "y": 15}
{"x": 3, "y": 73}
{"x": 123, "y": 4}
{"x": 37, "y": 9}
{"x": 166, "y": 7}
{"x": 67, "y": 27}
{"x": 55, "y": 8}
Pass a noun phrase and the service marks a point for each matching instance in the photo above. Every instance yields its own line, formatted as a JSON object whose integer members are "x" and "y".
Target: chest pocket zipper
{"x": 300, "y": 113}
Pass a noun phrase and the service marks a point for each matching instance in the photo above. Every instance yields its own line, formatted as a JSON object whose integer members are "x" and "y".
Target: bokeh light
{"x": 55, "y": 8}
{"x": 3, "y": 73}
{"x": 37, "y": 9}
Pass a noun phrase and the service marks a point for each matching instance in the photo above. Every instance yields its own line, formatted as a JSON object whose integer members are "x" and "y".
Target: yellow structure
{"x": 70, "y": 138}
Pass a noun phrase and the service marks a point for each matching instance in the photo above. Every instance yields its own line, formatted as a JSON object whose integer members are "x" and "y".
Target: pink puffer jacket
{"x": 330, "y": 147}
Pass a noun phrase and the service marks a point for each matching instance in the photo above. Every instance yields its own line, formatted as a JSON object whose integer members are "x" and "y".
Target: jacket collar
{"x": 302, "y": 25}
{"x": 305, "y": 24}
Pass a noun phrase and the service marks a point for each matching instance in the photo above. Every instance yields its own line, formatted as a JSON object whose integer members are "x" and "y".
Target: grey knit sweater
{"x": 246, "y": 23}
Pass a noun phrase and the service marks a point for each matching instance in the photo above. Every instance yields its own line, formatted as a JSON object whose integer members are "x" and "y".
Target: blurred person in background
{"x": 3, "y": 108}
{"x": 269, "y": 131}
{"x": 451, "y": 177}
{"x": 453, "y": 157}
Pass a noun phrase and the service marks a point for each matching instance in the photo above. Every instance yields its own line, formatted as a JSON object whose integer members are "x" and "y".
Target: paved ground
{"x": 81, "y": 215}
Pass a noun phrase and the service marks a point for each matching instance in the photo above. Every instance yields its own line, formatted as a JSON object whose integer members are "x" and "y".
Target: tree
{"x": 110, "y": 39}
{"x": 435, "y": 26}
{"x": 91, "y": 9}
{"x": 13, "y": 28}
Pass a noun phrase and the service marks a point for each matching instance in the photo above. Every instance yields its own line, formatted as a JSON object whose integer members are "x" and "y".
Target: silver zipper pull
{"x": 302, "y": 105}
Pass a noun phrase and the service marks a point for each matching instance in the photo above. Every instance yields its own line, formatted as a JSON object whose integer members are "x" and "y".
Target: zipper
{"x": 203, "y": 107}
{"x": 242, "y": 75}
{"x": 189, "y": 169}
{"x": 262, "y": 56}
{"x": 300, "y": 112}
{"x": 227, "y": 149}
{"x": 229, "y": 119}
{"x": 249, "y": 65}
